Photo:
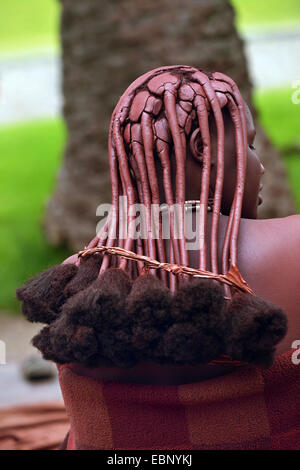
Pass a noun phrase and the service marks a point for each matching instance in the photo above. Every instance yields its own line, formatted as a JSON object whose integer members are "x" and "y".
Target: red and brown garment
{"x": 249, "y": 408}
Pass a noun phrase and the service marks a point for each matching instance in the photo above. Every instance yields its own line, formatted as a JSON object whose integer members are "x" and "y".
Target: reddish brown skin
{"x": 268, "y": 250}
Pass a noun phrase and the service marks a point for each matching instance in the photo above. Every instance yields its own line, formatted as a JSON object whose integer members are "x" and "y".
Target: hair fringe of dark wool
{"x": 111, "y": 320}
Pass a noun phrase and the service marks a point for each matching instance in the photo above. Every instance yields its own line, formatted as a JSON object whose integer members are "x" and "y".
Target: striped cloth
{"x": 249, "y": 408}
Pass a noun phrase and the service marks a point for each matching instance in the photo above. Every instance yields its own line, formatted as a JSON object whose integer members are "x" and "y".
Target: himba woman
{"x": 162, "y": 343}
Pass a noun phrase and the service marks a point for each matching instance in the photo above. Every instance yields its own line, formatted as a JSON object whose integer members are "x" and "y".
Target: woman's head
{"x": 179, "y": 133}
{"x": 194, "y": 165}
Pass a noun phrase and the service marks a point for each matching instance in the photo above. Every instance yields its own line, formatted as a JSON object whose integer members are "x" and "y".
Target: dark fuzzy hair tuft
{"x": 92, "y": 329}
{"x": 42, "y": 342}
{"x": 189, "y": 343}
{"x": 257, "y": 326}
{"x": 66, "y": 342}
{"x": 88, "y": 271}
{"x": 102, "y": 303}
{"x": 149, "y": 302}
{"x": 149, "y": 307}
{"x": 199, "y": 332}
{"x": 110, "y": 320}
{"x": 144, "y": 336}
{"x": 117, "y": 347}
{"x": 199, "y": 300}
{"x": 43, "y": 295}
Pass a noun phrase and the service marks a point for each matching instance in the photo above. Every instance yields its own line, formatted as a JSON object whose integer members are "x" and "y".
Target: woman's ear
{"x": 196, "y": 145}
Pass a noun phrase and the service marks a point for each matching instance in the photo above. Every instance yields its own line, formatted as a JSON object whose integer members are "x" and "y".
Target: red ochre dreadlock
{"x": 105, "y": 309}
{"x": 181, "y": 97}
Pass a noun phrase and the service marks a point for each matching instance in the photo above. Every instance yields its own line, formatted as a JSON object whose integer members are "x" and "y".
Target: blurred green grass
{"x": 30, "y": 155}
{"x": 266, "y": 13}
{"x": 280, "y": 118}
{"x": 28, "y": 24}
{"x": 279, "y": 115}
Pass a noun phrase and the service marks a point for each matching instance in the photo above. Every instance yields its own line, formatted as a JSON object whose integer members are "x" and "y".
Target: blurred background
{"x": 63, "y": 65}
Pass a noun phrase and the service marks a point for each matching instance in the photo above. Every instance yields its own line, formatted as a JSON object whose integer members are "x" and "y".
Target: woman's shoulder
{"x": 289, "y": 220}
{"x": 269, "y": 249}
{"x": 280, "y": 230}
{"x": 269, "y": 257}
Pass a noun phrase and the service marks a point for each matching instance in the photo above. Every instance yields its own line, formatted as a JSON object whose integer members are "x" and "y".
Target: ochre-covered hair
{"x": 106, "y": 309}
{"x": 153, "y": 120}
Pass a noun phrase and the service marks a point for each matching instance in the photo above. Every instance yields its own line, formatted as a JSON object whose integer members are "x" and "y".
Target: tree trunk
{"x": 106, "y": 45}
